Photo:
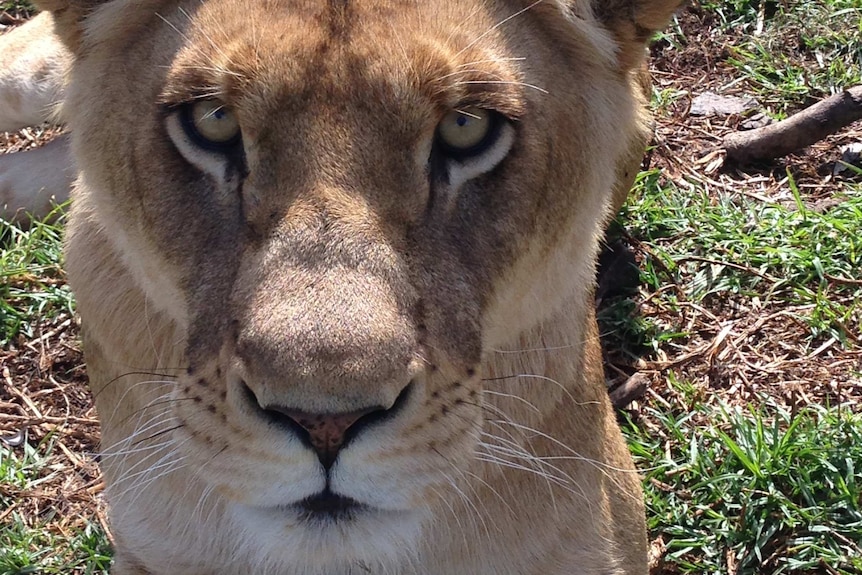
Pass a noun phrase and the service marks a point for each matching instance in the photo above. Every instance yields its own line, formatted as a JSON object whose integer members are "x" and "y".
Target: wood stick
{"x": 798, "y": 131}
{"x": 633, "y": 388}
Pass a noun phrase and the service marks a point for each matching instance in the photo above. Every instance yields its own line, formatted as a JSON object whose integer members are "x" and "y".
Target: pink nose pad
{"x": 326, "y": 432}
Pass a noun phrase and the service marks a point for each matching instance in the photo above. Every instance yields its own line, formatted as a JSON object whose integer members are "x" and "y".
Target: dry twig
{"x": 798, "y": 131}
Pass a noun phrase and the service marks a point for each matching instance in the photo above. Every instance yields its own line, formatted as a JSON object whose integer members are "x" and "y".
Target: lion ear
{"x": 69, "y": 16}
{"x": 633, "y": 23}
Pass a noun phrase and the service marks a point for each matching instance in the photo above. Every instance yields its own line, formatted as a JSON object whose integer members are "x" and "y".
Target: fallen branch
{"x": 798, "y": 131}
{"x": 633, "y": 388}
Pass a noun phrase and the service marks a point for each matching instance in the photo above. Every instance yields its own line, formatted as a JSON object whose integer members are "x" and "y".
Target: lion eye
{"x": 211, "y": 124}
{"x": 467, "y": 132}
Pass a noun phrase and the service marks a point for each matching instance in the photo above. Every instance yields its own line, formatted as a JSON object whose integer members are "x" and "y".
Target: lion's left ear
{"x": 633, "y": 23}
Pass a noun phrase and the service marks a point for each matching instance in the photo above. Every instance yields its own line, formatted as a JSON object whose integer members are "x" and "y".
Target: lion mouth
{"x": 328, "y": 506}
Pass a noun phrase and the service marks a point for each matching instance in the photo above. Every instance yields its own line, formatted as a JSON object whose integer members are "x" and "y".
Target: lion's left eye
{"x": 467, "y": 132}
{"x": 211, "y": 124}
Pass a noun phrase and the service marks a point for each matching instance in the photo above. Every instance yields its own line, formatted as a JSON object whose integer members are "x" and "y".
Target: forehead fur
{"x": 456, "y": 56}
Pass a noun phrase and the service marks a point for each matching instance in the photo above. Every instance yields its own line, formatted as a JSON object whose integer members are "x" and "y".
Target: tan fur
{"x": 34, "y": 182}
{"x": 32, "y": 66}
{"x": 31, "y": 71}
{"x": 329, "y": 273}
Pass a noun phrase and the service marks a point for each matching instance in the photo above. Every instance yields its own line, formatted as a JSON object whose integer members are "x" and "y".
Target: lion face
{"x": 342, "y": 208}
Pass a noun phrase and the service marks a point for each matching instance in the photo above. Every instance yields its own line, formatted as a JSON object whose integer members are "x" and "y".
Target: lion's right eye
{"x": 211, "y": 124}
{"x": 208, "y": 136}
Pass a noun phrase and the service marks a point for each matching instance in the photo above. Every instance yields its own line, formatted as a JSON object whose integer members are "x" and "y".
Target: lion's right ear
{"x": 69, "y": 17}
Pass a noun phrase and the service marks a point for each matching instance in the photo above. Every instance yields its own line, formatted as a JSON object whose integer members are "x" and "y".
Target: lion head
{"x": 334, "y": 261}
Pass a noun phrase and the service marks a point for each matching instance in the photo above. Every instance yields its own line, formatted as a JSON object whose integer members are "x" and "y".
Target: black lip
{"x": 329, "y": 506}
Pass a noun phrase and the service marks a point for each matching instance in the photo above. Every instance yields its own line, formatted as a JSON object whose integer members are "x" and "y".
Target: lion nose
{"x": 326, "y": 433}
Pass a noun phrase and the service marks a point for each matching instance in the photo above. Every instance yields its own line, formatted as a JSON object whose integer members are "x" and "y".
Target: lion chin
{"x": 335, "y": 525}
{"x": 331, "y": 541}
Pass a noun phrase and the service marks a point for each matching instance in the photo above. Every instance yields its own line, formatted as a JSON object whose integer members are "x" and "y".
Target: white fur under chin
{"x": 273, "y": 541}
{"x": 371, "y": 542}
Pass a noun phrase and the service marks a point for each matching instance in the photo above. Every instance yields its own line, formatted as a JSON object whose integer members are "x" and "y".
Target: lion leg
{"x": 31, "y": 74}
{"x": 123, "y": 565}
{"x": 33, "y": 182}
{"x": 31, "y": 86}
{"x": 121, "y": 569}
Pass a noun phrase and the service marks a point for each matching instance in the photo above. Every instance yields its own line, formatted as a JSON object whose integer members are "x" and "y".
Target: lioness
{"x": 334, "y": 261}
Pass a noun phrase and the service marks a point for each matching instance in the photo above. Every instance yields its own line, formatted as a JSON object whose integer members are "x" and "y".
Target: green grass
{"x": 804, "y": 50}
{"x": 719, "y": 243}
{"x": 763, "y": 489}
{"x": 34, "y": 544}
{"x": 17, "y": 6}
{"x": 32, "y": 291}
{"x": 32, "y": 286}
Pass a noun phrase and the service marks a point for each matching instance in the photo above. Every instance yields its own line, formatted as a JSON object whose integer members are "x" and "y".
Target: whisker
{"x": 140, "y": 428}
{"x": 165, "y": 459}
{"x": 566, "y": 482}
{"x": 169, "y": 401}
{"x": 549, "y": 472}
{"x": 213, "y": 44}
{"x": 492, "y": 490}
{"x": 172, "y": 467}
{"x": 125, "y": 452}
{"x": 518, "y": 452}
{"x": 469, "y": 71}
{"x": 160, "y": 433}
{"x": 207, "y": 491}
{"x": 602, "y": 467}
{"x": 505, "y": 82}
{"x": 463, "y": 23}
{"x": 543, "y": 378}
{"x": 529, "y": 404}
{"x": 491, "y": 60}
{"x": 575, "y": 455}
{"x": 137, "y": 412}
{"x": 496, "y": 460}
{"x": 536, "y": 349}
{"x": 470, "y": 505}
{"x": 130, "y": 475}
{"x": 97, "y": 392}
{"x": 445, "y": 500}
{"x": 497, "y": 25}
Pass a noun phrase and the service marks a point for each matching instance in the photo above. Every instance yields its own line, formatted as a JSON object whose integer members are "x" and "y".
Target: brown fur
{"x": 333, "y": 267}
